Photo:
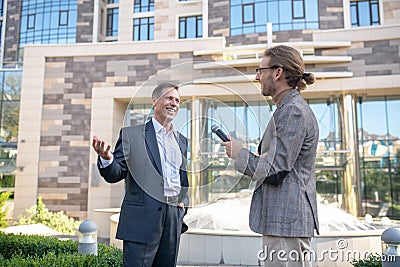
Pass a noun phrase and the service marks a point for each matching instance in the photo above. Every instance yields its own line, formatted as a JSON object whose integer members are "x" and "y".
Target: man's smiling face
{"x": 166, "y": 106}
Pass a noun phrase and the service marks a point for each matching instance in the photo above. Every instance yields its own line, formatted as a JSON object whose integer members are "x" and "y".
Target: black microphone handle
{"x": 221, "y": 135}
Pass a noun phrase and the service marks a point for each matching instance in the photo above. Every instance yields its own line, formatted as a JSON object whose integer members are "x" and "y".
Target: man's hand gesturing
{"x": 98, "y": 146}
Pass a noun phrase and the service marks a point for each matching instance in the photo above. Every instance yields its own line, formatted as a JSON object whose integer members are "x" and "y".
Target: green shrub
{"x": 4, "y": 196}
{"x": 11, "y": 245}
{"x": 7, "y": 181}
{"x": 55, "y": 220}
{"x": 24, "y": 251}
{"x": 372, "y": 261}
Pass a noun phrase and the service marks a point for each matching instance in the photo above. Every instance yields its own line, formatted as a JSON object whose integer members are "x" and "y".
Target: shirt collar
{"x": 289, "y": 96}
{"x": 158, "y": 127}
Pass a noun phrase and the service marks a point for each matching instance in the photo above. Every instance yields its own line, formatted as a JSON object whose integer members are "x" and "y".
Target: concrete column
{"x": 198, "y": 176}
{"x": 351, "y": 190}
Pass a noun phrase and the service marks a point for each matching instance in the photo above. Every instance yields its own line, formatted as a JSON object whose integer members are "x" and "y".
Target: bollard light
{"x": 391, "y": 247}
{"x": 87, "y": 237}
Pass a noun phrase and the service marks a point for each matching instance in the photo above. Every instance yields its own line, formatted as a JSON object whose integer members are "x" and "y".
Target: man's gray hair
{"x": 158, "y": 91}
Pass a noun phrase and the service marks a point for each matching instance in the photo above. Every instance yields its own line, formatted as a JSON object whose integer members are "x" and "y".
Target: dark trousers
{"x": 161, "y": 252}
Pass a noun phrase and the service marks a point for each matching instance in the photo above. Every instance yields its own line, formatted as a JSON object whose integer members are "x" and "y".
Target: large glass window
{"x": 10, "y": 88}
{"x": 143, "y": 6}
{"x": 48, "y": 22}
{"x": 379, "y": 141}
{"x": 364, "y": 13}
{"x": 143, "y": 29}
{"x": 331, "y": 159}
{"x": 190, "y": 27}
{"x": 250, "y": 16}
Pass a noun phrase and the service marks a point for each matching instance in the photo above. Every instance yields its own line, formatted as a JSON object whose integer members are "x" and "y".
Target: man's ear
{"x": 153, "y": 101}
{"x": 279, "y": 73}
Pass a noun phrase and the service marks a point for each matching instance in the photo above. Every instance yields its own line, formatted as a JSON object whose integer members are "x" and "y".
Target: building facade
{"x": 88, "y": 68}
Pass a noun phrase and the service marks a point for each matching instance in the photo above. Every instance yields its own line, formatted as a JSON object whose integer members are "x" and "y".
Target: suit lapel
{"x": 152, "y": 146}
{"x": 181, "y": 142}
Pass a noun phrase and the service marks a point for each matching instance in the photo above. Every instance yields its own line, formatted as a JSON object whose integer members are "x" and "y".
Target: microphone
{"x": 215, "y": 129}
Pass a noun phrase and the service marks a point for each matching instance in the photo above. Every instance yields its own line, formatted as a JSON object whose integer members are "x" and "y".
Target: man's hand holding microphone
{"x": 232, "y": 146}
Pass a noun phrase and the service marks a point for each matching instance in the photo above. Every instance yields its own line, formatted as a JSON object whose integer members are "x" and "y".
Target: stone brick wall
{"x": 84, "y": 25}
{"x": 375, "y": 58}
{"x": 331, "y": 14}
{"x": 391, "y": 11}
{"x": 218, "y": 18}
{"x": 12, "y": 33}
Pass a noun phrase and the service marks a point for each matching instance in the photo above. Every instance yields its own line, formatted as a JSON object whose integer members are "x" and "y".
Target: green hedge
{"x": 24, "y": 251}
{"x": 371, "y": 261}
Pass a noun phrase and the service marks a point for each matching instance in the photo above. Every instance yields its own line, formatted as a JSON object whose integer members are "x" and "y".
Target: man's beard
{"x": 271, "y": 88}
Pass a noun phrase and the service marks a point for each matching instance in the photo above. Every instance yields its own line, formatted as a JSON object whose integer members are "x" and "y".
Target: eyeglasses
{"x": 266, "y": 68}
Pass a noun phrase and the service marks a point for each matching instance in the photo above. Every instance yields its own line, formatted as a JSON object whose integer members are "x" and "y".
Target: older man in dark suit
{"x": 151, "y": 158}
{"x": 284, "y": 206}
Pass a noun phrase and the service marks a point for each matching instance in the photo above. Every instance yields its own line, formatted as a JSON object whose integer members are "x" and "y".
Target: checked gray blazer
{"x": 284, "y": 201}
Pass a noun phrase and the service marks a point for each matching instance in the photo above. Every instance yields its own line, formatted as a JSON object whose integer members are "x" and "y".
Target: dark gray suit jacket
{"x": 137, "y": 160}
{"x": 284, "y": 202}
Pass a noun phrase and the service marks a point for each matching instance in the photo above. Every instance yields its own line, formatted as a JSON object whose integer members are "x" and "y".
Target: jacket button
{"x": 159, "y": 209}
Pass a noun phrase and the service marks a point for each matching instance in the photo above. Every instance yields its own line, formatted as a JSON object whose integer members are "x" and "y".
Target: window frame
{"x": 150, "y": 26}
{"x": 60, "y": 16}
{"x": 28, "y": 20}
{"x": 275, "y": 12}
{"x": 109, "y": 24}
{"x": 139, "y": 7}
{"x": 303, "y": 9}
{"x": 198, "y": 18}
{"x": 252, "y": 15}
{"x": 371, "y": 3}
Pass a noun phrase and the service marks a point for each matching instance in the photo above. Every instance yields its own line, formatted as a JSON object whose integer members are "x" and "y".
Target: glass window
{"x": 248, "y": 13}
{"x": 364, "y": 13}
{"x": 1, "y": 8}
{"x": 143, "y": 6}
{"x": 393, "y": 109}
{"x": 330, "y": 161}
{"x": 373, "y": 117}
{"x": 9, "y": 121}
{"x": 250, "y": 16}
{"x": 112, "y": 22}
{"x": 44, "y": 22}
{"x": 298, "y": 9}
{"x": 143, "y": 29}
{"x": 379, "y": 141}
{"x": 31, "y": 21}
{"x": 63, "y": 18}
{"x": 11, "y": 85}
{"x": 190, "y": 27}
{"x": 10, "y": 82}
